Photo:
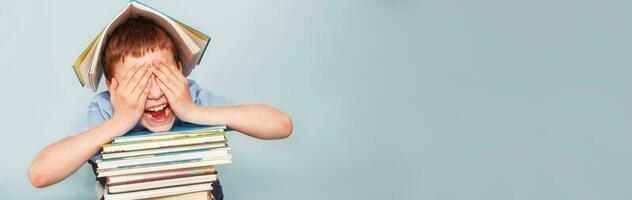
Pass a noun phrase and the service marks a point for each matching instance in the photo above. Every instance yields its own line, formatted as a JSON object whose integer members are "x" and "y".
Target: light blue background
{"x": 446, "y": 99}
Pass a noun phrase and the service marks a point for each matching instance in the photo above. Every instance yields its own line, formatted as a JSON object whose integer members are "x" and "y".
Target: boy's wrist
{"x": 119, "y": 125}
{"x": 204, "y": 115}
{"x": 191, "y": 114}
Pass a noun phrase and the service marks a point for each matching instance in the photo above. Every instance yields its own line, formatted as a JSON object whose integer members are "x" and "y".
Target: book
{"x": 179, "y": 131}
{"x": 143, "y": 194}
{"x": 191, "y": 43}
{"x": 162, "y": 150}
{"x": 160, "y": 143}
{"x": 162, "y": 158}
{"x": 113, "y": 189}
{"x": 154, "y": 176}
{"x": 205, "y": 195}
{"x": 163, "y": 166}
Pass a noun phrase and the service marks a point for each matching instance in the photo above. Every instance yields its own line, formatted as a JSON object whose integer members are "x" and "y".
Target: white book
{"x": 143, "y": 194}
{"x": 164, "y": 167}
{"x": 163, "y": 158}
{"x": 204, "y": 195}
{"x": 152, "y": 144}
{"x": 153, "y": 176}
{"x": 179, "y": 131}
{"x": 191, "y": 43}
{"x": 162, "y": 150}
{"x": 162, "y": 183}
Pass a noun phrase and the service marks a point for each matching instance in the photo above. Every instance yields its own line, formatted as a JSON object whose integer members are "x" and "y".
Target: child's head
{"x": 136, "y": 42}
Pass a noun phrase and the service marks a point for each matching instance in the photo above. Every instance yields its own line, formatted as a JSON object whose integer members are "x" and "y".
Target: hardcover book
{"x": 191, "y": 43}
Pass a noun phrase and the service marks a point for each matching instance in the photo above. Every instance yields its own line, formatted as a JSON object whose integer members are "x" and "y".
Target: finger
{"x": 179, "y": 74}
{"x": 165, "y": 89}
{"x": 167, "y": 80}
{"x": 136, "y": 79}
{"x": 176, "y": 72}
{"x": 130, "y": 74}
{"x": 173, "y": 71}
{"x": 140, "y": 87}
{"x": 145, "y": 94}
{"x": 168, "y": 92}
{"x": 165, "y": 68}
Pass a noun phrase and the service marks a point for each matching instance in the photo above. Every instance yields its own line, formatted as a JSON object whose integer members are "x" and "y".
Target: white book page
{"x": 87, "y": 61}
{"x": 95, "y": 70}
{"x": 189, "y": 50}
{"x": 201, "y": 44}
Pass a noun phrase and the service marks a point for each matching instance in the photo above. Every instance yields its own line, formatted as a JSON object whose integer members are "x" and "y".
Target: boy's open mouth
{"x": 158, "y": 114}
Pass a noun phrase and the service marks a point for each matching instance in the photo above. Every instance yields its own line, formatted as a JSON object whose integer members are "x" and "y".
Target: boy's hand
{"x": 130, "y": 94}
{"x": 176, "y": 88}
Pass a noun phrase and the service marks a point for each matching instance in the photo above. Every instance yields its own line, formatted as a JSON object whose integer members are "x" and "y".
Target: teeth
{"x": 159, "y": 108}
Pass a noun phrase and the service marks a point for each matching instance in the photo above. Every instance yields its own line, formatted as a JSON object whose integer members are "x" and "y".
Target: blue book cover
{"x": 176, "y": 129}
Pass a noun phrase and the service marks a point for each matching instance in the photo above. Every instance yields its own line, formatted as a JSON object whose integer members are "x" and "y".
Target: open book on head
{"x": 191, "y": 43}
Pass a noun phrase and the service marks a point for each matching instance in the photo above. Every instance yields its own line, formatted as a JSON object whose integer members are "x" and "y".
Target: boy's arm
{"x": 59, "y": 160}
{"x": 258, "y": 121}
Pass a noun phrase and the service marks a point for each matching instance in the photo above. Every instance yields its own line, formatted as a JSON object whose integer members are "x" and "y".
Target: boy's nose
{"x": 155, "y": 93}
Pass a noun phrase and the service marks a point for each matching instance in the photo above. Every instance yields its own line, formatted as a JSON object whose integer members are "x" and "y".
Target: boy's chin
{"x": 158, "y": 128}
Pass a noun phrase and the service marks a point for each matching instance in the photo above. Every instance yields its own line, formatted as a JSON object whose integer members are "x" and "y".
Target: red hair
{"x": 135, "y": 37}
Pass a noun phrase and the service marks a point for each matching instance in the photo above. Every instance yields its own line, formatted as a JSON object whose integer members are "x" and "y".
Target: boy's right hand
{"x": 129, "y": 95}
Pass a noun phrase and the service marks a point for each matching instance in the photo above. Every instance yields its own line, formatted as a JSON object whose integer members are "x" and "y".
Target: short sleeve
{"x": 204, "y": 97}
{"x": 96, "y": 115}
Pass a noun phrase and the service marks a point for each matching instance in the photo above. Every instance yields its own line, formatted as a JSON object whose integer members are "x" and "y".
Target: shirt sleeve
{"x": 207, "y": 98}
{"x": 95, "y": 116}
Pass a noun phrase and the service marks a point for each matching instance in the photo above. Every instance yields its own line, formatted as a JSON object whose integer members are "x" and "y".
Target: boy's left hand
{"x": 175, "y": 87}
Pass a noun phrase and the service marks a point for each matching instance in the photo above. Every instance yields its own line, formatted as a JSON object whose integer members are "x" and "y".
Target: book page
{"x": 189, "y": 50}
{"x": 95, "y": 68}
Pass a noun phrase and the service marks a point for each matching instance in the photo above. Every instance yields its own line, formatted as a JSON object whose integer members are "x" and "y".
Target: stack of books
{"x": 145, "y": 165}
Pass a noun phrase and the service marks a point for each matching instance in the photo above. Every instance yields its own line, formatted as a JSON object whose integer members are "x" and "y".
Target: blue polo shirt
{"x": 101, "y": 110}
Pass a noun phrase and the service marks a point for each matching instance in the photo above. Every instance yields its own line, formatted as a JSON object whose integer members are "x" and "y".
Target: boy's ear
{"x": 107, "y": 84}
{"x": 180, "y": 66}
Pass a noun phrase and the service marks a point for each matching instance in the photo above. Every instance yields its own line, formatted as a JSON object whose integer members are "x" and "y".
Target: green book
{"x": 161, "y": 143}
{"x": 163, "y": 158}
{"x": 162, "y": 150}
{"x": 181, "y": 130}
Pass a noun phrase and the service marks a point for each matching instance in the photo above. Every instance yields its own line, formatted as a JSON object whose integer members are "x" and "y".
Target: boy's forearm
{"x": 258, "y": 121}
{"x": 59, "y": 160}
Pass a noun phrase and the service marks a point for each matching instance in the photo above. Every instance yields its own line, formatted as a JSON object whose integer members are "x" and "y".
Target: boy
{"x": 146, "y": 90}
